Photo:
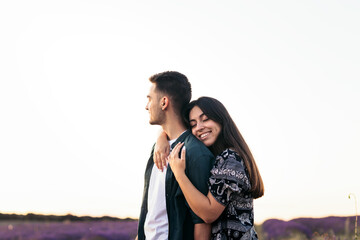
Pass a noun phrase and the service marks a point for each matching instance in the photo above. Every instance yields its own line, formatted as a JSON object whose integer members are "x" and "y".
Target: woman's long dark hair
{"x": 229, "y": 137}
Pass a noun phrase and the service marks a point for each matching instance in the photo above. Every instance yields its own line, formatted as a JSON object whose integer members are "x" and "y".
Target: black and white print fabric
{"x": 230, "y": 185}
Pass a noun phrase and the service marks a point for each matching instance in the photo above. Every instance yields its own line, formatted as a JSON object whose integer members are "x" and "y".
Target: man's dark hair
{"x": 176, "y": 86}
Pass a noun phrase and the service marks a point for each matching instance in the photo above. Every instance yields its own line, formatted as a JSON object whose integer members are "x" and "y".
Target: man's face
{"x": 156, "y": 115}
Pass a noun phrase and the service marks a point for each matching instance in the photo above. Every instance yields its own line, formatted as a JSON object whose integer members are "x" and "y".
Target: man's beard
{"x": 159, "y": 120}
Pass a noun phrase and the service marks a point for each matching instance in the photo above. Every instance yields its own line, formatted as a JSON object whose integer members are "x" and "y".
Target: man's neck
{"x": 174, "y": 130}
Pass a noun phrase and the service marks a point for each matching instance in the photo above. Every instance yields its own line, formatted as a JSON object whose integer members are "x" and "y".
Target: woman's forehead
{"x": 195, "y": 113}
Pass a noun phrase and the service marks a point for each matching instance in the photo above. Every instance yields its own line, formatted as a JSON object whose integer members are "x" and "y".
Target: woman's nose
{"x": 199, "y": 126}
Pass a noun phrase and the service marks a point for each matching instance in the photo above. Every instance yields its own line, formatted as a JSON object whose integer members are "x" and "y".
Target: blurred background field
{"x": 69, "y": 227}
{"x": 42, "y": 227}
{"x": 334, "y": 228}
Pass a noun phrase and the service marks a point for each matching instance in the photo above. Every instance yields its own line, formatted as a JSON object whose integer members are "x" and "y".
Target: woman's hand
{"x": 177, "y": 164}
{"x": 161, "y": 151}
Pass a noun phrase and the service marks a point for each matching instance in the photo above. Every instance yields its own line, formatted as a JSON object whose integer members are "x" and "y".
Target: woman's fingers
{"x": 160, "y": 164}
{"x": 157, "y": 161}
{"x": 176, "y": 160}
{"x": 176, "y": 149}
{"x": 183, "y": 153}
{"x": 175, "y": 152}
{"x": 162, "y": 160}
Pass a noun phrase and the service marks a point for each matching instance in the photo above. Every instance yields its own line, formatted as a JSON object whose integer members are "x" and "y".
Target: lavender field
{"x": 87, "y": 230}
{"x": 329, "y": 228}
{"x": 32, "y": 227}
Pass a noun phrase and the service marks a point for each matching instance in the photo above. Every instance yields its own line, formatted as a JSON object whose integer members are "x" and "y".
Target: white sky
{"x": 74, "y": 133}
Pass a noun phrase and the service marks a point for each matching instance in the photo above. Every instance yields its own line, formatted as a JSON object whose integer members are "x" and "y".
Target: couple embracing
{"x": 201, "y": 178}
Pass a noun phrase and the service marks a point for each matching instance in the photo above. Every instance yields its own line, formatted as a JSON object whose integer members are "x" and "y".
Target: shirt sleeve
{"x": 228, "y": 177}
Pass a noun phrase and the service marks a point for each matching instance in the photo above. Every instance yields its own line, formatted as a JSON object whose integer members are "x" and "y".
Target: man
{"x": 164, "y": 211}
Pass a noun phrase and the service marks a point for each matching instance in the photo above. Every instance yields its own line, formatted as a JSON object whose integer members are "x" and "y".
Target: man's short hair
{"x": 176, "y": 86}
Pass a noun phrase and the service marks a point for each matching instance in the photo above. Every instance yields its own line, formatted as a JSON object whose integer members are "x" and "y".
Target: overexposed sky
{"x": 74, "y": 132}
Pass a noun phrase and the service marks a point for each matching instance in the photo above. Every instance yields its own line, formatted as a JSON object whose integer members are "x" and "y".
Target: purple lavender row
{"x": 99, "y": 230}
{"x": 276, "y": 229}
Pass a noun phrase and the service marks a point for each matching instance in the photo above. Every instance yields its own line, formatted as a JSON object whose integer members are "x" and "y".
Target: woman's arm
{"x": 206, "y": 207}
{"x": 161, "y": 151}
{"x": 202, "y": 231}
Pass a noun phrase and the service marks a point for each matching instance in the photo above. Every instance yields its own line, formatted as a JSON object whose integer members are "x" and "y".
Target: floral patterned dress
{"x": 229, "y": 184}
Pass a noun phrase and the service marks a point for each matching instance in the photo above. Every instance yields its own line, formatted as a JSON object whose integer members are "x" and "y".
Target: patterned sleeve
{"x": 228, "y": 177}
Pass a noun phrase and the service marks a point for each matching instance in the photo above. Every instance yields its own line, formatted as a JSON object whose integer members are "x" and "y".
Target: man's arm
{"x": 202, "y": 231}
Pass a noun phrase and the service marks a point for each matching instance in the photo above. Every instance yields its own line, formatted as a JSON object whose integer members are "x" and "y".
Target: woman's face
{"x": 205, "y": 129}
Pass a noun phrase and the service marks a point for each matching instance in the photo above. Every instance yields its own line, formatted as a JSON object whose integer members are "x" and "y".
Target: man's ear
{"x": 164, "y": 103}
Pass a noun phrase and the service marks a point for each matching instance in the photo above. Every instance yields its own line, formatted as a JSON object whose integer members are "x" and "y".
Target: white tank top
{"x": 156, "y": 226}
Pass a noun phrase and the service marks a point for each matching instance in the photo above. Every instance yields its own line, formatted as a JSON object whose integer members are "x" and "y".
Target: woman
{"x": 235, "y": 179}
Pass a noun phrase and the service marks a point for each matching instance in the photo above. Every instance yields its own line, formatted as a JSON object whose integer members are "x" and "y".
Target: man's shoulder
{"x": 195, "y": 146}
{"x": 193, "y": 141}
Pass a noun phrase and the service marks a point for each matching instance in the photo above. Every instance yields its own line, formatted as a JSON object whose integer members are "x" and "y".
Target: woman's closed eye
{"x": 204, "y": 119}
